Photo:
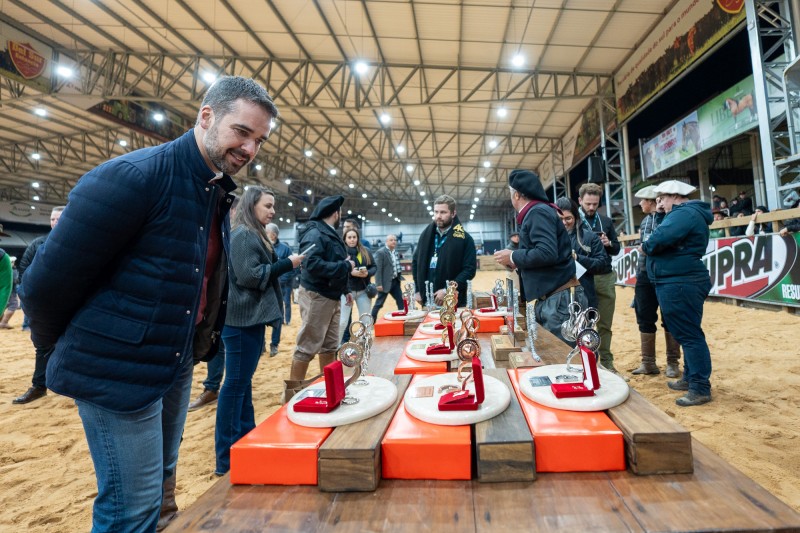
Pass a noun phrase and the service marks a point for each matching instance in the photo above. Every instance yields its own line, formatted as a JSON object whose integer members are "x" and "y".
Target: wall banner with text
{"x": 764, "y": 268}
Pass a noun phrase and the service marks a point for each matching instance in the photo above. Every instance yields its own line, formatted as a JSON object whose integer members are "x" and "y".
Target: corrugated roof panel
{"x": 619, "y": 32}
{"x": 561, "y": 57}
{"x": 577, "y": 28}
{"x": 392, "y": 19}
{"x": 437, "y": 22}
{"x": 439, "y": 52}
{"x": 480, "y": 54}
{"x": 483, "y": 24}
{"x": 603, "y": 60}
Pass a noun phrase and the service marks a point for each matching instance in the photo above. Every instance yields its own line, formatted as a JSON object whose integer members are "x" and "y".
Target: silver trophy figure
{"x": 530, "y": 322}
{"x": 469, "y": 294}
{"x": 428, "y": 296}
{"x": 499, "y": 292}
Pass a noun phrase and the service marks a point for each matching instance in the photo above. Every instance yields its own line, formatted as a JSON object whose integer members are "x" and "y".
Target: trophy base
{"x": 373, "y": 399}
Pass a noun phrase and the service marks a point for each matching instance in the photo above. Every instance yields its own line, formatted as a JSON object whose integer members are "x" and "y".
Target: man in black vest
{"x": 445, "y": 252}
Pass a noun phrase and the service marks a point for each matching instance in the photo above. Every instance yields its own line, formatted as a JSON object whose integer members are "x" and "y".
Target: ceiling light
{"x": 385, "y": 118}
{"x": 363, "y": 195}
{"x": 478, "y": 191}
{"x": 474, "y": 206}
{"x": 409, "y": 168}
{"x": 518, "y": 60}
{"x": 287, "y": 181}
{"x": 35, "y": 184}
{"x": 422, "y": 193}
{"x": 487, "y": 164}
{"x": 42, "y": 112}
{"x": 400, "y": 149}
{"x": 375, "y": 204}
{"x": 123, "y": 143}
{"x": 472, "y": 217}
{"x": 272, "y": 124}
{"x": 361, "y": 67}
{"x": 36, "y": 156}
{"x": 502, "y": 112}
{"x": 492, "y": 144}
{"x": 383, "y": 209}
{"x": 425, "y": 202}
{"x": 352, "y": 185}
{"x": 349, "y": 211}
{"x": 209, "y": 77}
{"x": 476, "y": 199}
{"x": 259, "y": 167}
{"x": 305, "y": 210}
{"x": 309, "y": 191}
{"x": 332, "y": 171}
{"x": 309, "y": 153}
{"x": 416, "y": 182}
{"x": 64, "y": 72}
{"x": 288, "y": 221}
{"x": 35, "y": 197}
{"x": 390, "y": 215}
{"x": 281, "y": 219}
{"x": 33, "y": 207}
{"x": 158, "y": 117}
{"x": 482, "y": 179}
{"x": 472, "y": 211}
{"x": 290, "y": 204}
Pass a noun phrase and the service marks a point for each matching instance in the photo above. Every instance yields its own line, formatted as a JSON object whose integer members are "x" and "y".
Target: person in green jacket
{"x": 6, "y": 279}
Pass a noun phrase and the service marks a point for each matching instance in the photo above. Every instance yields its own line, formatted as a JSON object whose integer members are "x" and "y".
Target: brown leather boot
{"x": 673, "y": 356}
{"x": 648, "y": 366}
{"x": 169, "y": 507}
{"x": 295, "y": 383}
{"x": 33, "y": 393}
{"x": 325, "y": 359}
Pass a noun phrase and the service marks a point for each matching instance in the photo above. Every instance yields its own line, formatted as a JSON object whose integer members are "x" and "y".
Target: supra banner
{"x": 764, "y": 268}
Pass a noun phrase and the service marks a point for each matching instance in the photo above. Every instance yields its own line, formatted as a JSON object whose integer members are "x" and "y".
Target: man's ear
{"x": 206, "y": 117}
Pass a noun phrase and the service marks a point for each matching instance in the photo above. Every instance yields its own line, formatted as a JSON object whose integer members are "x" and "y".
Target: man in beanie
{"x": 645, "y": 302}
{"x": 445, "y": 251}
{"x": 544, "y": 258}
{"x": 323, "y": 281}
{"x": 674, "y": 264}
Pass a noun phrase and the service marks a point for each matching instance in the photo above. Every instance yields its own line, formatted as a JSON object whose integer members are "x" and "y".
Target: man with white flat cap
{"x": 645, "y": 302}
{"x": 674, "y": 264}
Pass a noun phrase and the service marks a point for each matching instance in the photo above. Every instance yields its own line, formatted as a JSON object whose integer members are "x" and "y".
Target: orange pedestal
{"x": 389, "y": 328}
{"x": 406, "y": 365}
{"x": 277, "y": 452}
{"x": 571, "y": 441}
{"x": 413, "y": 449}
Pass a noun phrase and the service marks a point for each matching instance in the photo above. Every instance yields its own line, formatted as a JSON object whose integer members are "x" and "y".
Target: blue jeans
{"x": 133, "y": 453}
{"x": 277, "y": 326}
{"x": 286, "y": 291}
{"x": 235, "y": 415}
{"x": 216, "y": 368}
{"x": 682, "y": 311}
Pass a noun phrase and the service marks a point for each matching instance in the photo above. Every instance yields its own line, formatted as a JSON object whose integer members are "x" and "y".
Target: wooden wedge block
{"x": 504, "y": 445}
{"x": 523, "y": 360}
{"x": 350, "y": 459}
{"x": 501, "y": 347}
{"x": 410, "y": 326}
{"x": 654, "y": 442}
{"x": 481, "y": 299}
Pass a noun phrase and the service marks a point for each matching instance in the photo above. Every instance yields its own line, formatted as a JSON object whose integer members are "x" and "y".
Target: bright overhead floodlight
{"x": 487, "y": 164}
{"x": 502, "y": 112}
{"x": 64, "y": 72}
{"x": 36, "y": 155}
{"x": 361, "y": 67}
{"x": 209, "y": 77}
{"x": 259, "y": 167}
{"x": 309, "y": 191}
{"x": 309, "y": 153}
{"x": 482, "y": 179}
{"x": 518, "y": 60}
{"x": 272, "y": 125}
{"x": 375, "y": 204}
{"x": 158, "y": 117}
{"x": 363, "y": 195}
{"x": 287, "y": 181}
{"x": 385, "y": 118}
{"x": 290, "y": 204}
{"x": 422, "y": 193}
{"x": 409, "y": 168}
{"x": 476, "y": 199}
{"x": 123, "y": 143}
{"x": 401, "y": 149}
{"x": 35, "y": 184}
{"x": 351, "y": 185}
{"x": 416, "y": 182}
{"x": 305, "y": 210}
{"x": 40, "y": 111}
{"x": 478, "y": 191}
{"x": 332, "y": 171}
{"x": 383, "y": 209}
{"x": 492, "y": 144}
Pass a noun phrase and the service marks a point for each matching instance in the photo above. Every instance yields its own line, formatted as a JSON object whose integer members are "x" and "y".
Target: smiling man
{"x": 130, "y": 289}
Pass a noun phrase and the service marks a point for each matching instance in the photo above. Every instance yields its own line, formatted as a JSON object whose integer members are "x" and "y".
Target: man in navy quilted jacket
{"x": 130, "y": 289}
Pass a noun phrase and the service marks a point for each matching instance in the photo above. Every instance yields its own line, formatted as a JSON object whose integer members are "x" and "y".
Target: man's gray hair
{"x": 223, "y": 94}
{"x": 273, "y": 228}
{"x": 58, "y": 209}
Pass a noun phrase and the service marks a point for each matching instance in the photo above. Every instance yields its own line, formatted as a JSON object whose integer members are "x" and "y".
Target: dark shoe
{"x": 673, "y": 370}
{"x": 681, "y": 384}
{"x": 692, "y": 398}
{"x": 273, "y": 351}
{"x": 33, "y": 393}
{"x": 207, "y": 397}
{"x": 647, "y": 369}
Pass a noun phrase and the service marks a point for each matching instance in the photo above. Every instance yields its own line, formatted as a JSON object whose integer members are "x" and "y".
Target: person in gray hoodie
{"x": 674, "y": 264}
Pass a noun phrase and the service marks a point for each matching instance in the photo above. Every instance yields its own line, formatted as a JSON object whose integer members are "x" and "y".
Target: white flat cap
{"x": 647, "y": 193}
{"x": 674, "y": 187}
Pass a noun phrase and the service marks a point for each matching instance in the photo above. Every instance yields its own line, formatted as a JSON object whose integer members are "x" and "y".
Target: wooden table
{"x": 716, "y": 497}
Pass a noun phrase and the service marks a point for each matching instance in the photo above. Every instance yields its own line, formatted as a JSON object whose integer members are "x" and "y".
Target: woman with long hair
{"x": 586, "y": 246}
{"x": 359, "y": 278}
{"x": 254, "y": 300}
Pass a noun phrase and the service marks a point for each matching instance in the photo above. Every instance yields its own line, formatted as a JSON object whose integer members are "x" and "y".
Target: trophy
{"x": 458, "y": 398}
{"x": 429, "y": 303}
{"x": 470, "y": 304}
{"x": 580, "y": 328}
{"x": 408, "y": 294}
{"x": 498, "y": 294}
{"x": 530, "y": 322}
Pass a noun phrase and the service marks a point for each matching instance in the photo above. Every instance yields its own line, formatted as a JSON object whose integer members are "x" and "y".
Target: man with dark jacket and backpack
{"x": 323, "y": 281}
{"x": 130, "y": 317}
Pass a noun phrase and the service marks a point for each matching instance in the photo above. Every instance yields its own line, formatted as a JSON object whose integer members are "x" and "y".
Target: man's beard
{"x": 444, "y": 223}
{"x": 217, "y": 154}
{"x": 336, "y": 223}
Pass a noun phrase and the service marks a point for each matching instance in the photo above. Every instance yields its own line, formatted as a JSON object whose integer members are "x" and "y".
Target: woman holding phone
{"x": 359, "y": 278}
{"x": 254, "y": 300}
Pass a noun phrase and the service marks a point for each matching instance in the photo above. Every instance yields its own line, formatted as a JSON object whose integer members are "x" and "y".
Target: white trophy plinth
{"x": 374, "y": 398}
{"x": 613, "y": 390}
{"x": 497, "y": 397}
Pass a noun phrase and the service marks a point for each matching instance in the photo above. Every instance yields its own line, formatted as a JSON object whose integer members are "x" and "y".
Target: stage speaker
{"x": 597, "y": 170}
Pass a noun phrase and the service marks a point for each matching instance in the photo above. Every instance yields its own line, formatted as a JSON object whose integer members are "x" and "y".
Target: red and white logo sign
{"x": 28, "y": 62}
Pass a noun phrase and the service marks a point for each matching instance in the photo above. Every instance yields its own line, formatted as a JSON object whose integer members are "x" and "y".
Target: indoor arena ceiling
{"x": 387, "y": 101}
